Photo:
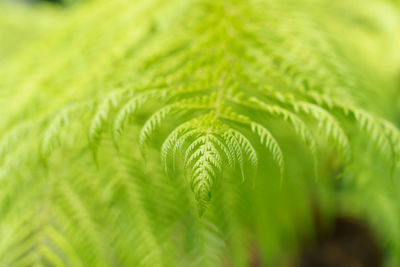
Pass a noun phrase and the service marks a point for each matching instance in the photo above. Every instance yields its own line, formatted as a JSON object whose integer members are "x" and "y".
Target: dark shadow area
{"x": 58, "y": 2}
{"x": 349, "y": 242}
{"x": 52, "y": 1}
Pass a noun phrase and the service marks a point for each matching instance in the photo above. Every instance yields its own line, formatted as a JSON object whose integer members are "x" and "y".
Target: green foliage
{"x": 114, "y": 104}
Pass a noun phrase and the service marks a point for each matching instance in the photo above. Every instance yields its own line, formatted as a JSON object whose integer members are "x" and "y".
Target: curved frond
{"x": 267, "y": 139}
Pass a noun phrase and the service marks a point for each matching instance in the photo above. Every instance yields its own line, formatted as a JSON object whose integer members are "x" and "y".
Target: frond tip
{"x": 205, "y": 162}
{"x": 207, "y": 146}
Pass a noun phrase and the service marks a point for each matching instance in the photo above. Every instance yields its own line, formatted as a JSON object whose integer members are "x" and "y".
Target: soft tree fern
{"x": 174, "y": 133}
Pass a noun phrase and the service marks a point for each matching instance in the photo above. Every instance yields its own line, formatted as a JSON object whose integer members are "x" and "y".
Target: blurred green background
{"x": 119, "y": 210}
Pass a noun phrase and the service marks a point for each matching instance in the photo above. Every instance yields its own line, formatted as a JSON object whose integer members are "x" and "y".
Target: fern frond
{"x": 383, "y": 134}
{"x": 101, "y": 117}
{"x": 245, "y": 145}
{"x": 186, "y": 105}
{"x": 267, "y": 139}
{"x": 206, "y": 163}
{"x": 131, "y": 107}
{"x": 231, "y": 68}
{"x": 236, "y": 150}
{"x": 329, "y": 125}
{"x": 11, "y": 138}
{"x": 297, "y": 123}
{"x": 52, "y": 131}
